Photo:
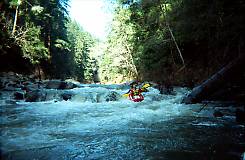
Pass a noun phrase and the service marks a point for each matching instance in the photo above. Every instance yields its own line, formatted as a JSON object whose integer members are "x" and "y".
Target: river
{"x": 89, "y": 127}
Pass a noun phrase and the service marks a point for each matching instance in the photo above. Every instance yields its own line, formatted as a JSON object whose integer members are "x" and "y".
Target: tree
{"x": 81, "y": 43}
{"x": 117, "y": 62}
{"x": 28, "y": 38}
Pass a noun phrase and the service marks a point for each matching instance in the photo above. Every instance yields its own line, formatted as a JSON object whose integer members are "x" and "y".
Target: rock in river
{"x": 58, "y": 84}
{"x": 35, "y": 96}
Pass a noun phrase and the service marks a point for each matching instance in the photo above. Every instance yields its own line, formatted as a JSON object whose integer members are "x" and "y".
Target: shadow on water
{"x": 178, "y": 139}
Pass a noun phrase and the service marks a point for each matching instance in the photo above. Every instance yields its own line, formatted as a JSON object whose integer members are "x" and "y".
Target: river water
{"x": 89, "y": 127}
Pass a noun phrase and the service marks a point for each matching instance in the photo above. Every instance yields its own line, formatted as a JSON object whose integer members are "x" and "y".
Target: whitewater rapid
{"x": 89, "y": 127}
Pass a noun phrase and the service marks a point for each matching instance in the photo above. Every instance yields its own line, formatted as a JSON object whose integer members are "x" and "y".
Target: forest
{"x": 170, "y": 42}
{"x": 38, "y": 36}
{"x": 179, "y": 41}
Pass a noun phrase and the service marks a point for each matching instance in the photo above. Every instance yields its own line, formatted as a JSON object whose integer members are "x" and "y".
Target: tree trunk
{"x": 15, "y": 19}
{"x": 216, "y": 82}
{"x": 171, "y": 32}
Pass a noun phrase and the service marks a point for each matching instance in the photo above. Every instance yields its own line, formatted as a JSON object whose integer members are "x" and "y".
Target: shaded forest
{"x": 177, "y": 42}
{"x": 38, "y": 36}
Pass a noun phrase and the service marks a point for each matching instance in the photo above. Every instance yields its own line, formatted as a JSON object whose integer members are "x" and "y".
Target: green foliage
{"x": 61, "y": 44}
{"x": 208, "y": 33}
{"x": 51, "y": 16}
{"x": 153, "y": 42}
{"x": 117, "y": 63}
{"x": 138, "y": 42}
{"x": 5, "y": 34}
{"x": 205, "y": 32}
{"x": 31, "y": 45}
{"x": 44, "y": 34}
{"x": 14, "y": 3}
{"x": 37, "y": 10}
{"x": 80, "y": 46}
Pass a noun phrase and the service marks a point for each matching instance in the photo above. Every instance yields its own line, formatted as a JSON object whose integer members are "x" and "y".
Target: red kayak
{"x": 137, "y": 98}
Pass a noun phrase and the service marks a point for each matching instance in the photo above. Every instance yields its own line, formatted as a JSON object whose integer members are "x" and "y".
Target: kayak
{"x": 137, "y": 98}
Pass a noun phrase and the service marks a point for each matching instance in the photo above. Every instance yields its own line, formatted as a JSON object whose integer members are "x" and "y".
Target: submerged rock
{"x": 66, "y": 96}
{"x": 218, "y": 114}
{"x": 9, "y": 101}
{"x": 67, "y": 85}
{"x": 46, "y": 95}
{"x": 35, "y": 96}
{"x": 31, "y": 86}
{"x": 10, "y": 88}
{"x": 19, "y": 95}
{"x": 52, "y": 84}
{"x": 165, "y": 89}
{"x": 240, "y": 116}
{"x": 113, "y": 96}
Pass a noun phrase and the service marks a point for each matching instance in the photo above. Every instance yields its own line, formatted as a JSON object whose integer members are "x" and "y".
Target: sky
{"x": 92, "y": 15}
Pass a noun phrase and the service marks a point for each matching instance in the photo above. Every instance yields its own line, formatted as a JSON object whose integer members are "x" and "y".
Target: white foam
{"x": 209, "y": 124}
{"x": 40, "y": 124}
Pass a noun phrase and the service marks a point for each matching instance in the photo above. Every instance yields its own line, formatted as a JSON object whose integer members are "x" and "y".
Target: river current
{"x": 89, "y": 127}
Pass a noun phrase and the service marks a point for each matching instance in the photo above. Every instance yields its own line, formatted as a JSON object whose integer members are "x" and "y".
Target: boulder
{"x": 3, "y": 82}
{"x": 67, "y": 85}
{"x": 10, "y": 81}
{"x": 52, "y": 84}
{"x": 10, "y": 88}
{"x": 218, "y": 114}
{"x": 166, "y": 89}
{"x": 2, "y": 85}
{"x": 26, "y": 82}
{"x": 66, "y": 96}
{"x": 32, "y": 77}
{"x": 19, "y": 95}
{"x": 240, "y": 116}
{"x": 35, "y": 96}
{"x": 58, "y": 84}
{"x": 112, "y": 96}
{"x": 31, "y": 87}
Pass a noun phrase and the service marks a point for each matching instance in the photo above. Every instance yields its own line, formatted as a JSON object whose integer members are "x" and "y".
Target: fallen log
{"x": 216, "y": 82}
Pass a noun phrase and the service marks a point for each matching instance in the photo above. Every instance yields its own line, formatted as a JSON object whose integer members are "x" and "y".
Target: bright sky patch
{"x": 92, "y": 15}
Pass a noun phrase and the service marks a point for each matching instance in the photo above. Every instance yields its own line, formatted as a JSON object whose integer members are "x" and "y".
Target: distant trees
{"x": 80, "y": 44}
{"x": 117, "y": 63}
{"x": 139, "y": 45}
